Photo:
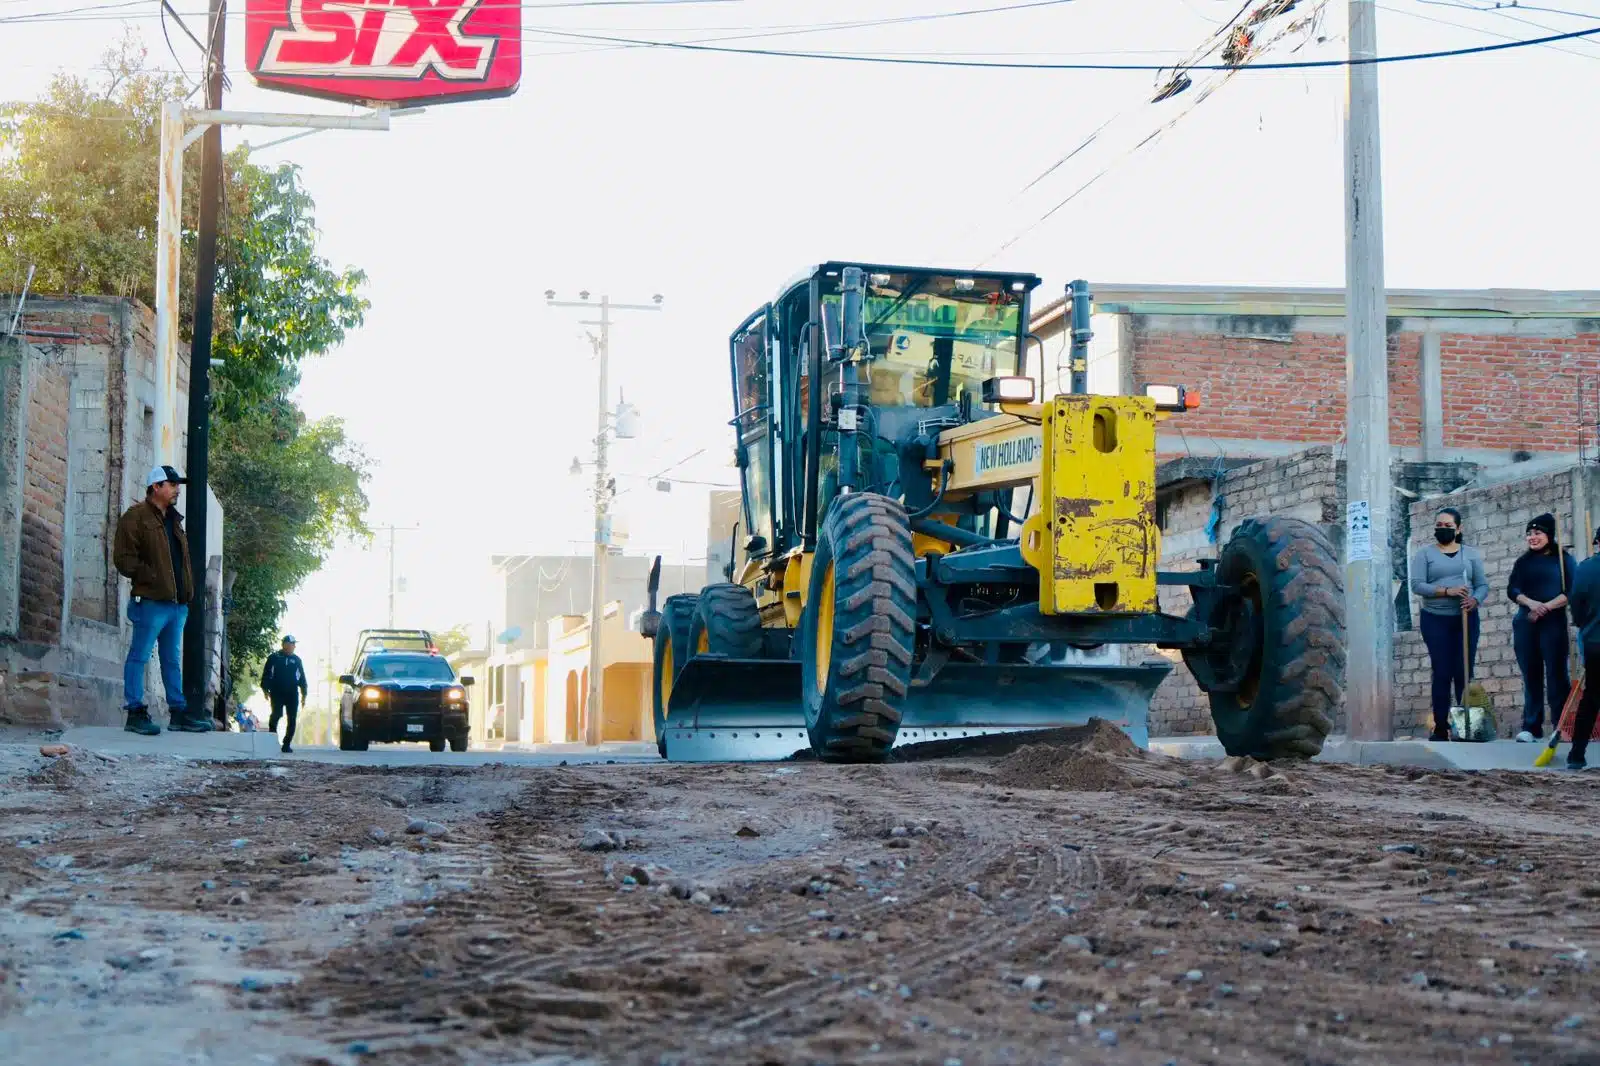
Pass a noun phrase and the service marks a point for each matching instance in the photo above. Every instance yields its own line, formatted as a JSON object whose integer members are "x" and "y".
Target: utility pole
{"x": 594, "y": 712}
{"x": 1369, "y": 572}
{"x": 196, "y": 662}
{"x": 393, "y": 529}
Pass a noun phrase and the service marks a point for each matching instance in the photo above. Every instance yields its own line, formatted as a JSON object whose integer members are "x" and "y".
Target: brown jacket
{"x": 141, "y": 554}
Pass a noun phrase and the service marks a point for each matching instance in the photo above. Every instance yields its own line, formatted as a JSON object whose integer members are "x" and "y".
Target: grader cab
{"x": 928, "y": 552}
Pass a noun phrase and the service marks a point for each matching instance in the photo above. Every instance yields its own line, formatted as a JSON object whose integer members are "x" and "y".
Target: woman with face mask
{"x": 1450, "y": 578}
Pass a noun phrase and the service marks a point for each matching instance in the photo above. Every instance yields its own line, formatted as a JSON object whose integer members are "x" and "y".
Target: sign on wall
{"x": 410, "y": 52}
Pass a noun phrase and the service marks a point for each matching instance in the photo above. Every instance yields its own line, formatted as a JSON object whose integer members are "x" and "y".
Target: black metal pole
{"x": 195, "y": 672}
{"x": 1080, "y": 299}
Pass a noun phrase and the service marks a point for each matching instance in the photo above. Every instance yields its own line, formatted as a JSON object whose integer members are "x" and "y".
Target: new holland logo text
{"x": 379, "y": 39}
{"x": 1002, "y": 454}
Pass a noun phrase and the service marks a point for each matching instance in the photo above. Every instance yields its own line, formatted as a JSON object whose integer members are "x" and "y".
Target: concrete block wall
{"x": 1311, "y": 485}
{"x": 1304, "y": 486}
{"x": 1494, "y": 520}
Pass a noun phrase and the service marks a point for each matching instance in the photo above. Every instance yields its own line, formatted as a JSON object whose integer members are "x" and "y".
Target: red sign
{"x": 386, "y": 51}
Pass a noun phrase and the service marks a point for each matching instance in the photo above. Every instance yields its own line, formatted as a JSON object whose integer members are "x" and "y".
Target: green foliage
{"x": 449, "y": 641}
{"x": 78, "y": 199}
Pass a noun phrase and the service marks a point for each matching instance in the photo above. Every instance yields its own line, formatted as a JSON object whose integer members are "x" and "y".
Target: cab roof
{"x": 1032, "y": 281}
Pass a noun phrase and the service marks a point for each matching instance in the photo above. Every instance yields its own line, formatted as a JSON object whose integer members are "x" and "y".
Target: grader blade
{"x": 748, "y": 710}
{"x": 736, "y": 710}
{"x": 973, "y": 699}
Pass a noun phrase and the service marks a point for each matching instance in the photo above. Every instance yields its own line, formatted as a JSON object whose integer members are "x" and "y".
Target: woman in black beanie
{"x": 1539, "y": 583}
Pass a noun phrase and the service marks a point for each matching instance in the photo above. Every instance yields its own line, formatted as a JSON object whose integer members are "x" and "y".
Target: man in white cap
{"x": 152, "y": 551}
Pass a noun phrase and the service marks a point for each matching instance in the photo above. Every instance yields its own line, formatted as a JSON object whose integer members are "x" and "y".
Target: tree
{"x": 78, "y": 198}
{"x": 452, "y": 640}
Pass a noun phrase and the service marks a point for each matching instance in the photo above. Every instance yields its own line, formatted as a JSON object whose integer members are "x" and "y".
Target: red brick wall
{"x": 44, "y": 507}
{"x": 1500, "y": 392}
{"x": 1518, "y": 392}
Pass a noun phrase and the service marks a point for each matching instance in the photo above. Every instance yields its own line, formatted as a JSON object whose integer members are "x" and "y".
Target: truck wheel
{"x": 671, "y": 652}
{"x": 858, "y": 632}
{"x": 726, "y": 622}
{"x": 349, "y": 740}
{"x": 458, "y": 743}
{"x": 436, "y": 745}
{"x": 1275, "y": 687}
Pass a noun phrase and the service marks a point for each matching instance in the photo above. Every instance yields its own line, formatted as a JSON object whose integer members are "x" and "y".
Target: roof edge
{"x": 1245, "y": 299}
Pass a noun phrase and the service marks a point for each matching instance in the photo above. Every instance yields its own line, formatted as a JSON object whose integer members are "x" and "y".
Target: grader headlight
{"x": 1173, "y": 397}
{"x": 1008, "y": 390}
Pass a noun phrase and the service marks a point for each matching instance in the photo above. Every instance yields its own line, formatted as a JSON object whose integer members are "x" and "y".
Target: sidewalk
{"x": 235, "y": 747}
{"x": 1426, "y": 754}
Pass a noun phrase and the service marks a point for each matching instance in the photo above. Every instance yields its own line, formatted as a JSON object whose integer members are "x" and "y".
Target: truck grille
{"x": 413, "y": 702}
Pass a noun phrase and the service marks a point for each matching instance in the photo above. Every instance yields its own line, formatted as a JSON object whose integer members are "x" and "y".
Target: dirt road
{"x": 1082, "y": 903}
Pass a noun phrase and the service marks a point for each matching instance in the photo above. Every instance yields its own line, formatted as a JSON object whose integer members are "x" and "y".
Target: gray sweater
{"x": 1432, "y": 570}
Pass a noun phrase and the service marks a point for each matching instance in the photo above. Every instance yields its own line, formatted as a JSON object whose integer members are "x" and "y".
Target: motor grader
{"x": 927, "y": 552}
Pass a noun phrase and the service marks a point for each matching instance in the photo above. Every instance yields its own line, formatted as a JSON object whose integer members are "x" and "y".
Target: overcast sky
{"x": 712, "y": 179}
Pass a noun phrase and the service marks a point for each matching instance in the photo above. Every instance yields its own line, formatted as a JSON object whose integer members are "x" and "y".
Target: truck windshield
{"x": 408, "y": 668}
{"x": 935, "y": 337}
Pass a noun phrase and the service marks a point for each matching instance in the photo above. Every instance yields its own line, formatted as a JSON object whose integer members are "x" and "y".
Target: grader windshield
{"x": 935, "y": 337}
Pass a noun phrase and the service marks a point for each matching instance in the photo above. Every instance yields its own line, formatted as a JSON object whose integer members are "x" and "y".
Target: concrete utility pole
{"x": 1369, "y": 571}
{"x": 393, "y": 529}
{"x": 594, "y": 711}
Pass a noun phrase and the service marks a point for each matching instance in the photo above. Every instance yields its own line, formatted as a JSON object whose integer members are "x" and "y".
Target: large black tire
{"x": 459, "y": 743}
{"x": 350, "y": 740}
{"x": 858, "y": 631}
{"x": 1274, "y": 694}
{"x": 726, "y": 622}
{"x": 672, "y": 650}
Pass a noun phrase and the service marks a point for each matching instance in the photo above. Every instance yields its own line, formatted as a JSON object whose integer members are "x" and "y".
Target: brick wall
{"x": 1263, "y": 380}
{"x": 86, "y": 442}
{"x": 1518, "y": 392}
{"x": 1493, "y": 519}
{"x": 41, "y": 595}
{"x": 1282, "y": 379}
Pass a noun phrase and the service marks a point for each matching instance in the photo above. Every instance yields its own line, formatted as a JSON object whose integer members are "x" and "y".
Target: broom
{"x": 1476, "y": 697}
{"x": 1569, "y": 709}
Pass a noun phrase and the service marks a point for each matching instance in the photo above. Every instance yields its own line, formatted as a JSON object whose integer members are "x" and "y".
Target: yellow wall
{"x": 628, "y": 663}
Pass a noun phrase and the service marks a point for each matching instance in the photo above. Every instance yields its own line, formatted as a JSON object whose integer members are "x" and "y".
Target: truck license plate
{"x": 413, "y": 727}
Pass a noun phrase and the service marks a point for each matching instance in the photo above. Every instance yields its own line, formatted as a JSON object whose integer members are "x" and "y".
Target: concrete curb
{"x": 1423, "y": 754}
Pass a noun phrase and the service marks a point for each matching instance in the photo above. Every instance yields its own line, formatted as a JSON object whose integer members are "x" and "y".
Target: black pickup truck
{"x": 402, "y": 689}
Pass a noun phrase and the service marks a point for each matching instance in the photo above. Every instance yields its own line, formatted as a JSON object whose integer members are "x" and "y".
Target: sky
{"x": 713, "y": 179}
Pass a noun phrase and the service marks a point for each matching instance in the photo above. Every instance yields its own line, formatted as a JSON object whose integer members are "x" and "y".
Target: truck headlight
{"x": 371, "y": 695}
{"x": 455, "y": 695}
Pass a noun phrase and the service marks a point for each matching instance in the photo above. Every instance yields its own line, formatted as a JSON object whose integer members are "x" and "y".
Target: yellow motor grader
{"x": 928, "y": 552}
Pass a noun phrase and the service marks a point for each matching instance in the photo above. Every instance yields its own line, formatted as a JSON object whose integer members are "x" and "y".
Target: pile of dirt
{"x": 1067, "y": 769}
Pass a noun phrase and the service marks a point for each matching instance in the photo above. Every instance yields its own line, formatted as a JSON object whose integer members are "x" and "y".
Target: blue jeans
{"x": 155, "y": 624}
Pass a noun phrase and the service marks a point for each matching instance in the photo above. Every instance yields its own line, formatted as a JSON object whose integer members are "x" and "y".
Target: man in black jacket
{"x": 1586, "y": 615}
{"x": 1585, "y": 600}
{"x": 283, "y": 680}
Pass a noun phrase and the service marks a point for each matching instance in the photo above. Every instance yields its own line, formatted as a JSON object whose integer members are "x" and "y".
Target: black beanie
{"x": 1545, "y": 523}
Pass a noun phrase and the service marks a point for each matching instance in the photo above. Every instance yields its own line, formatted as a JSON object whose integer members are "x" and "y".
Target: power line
{"x": 1305, "y": 64}
{"x": 1310, "y": 22}
{"x": 1475, "y": 29}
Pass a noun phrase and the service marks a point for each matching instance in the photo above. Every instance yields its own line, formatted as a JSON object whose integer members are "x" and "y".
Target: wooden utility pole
{"x": 196, "y": 663}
